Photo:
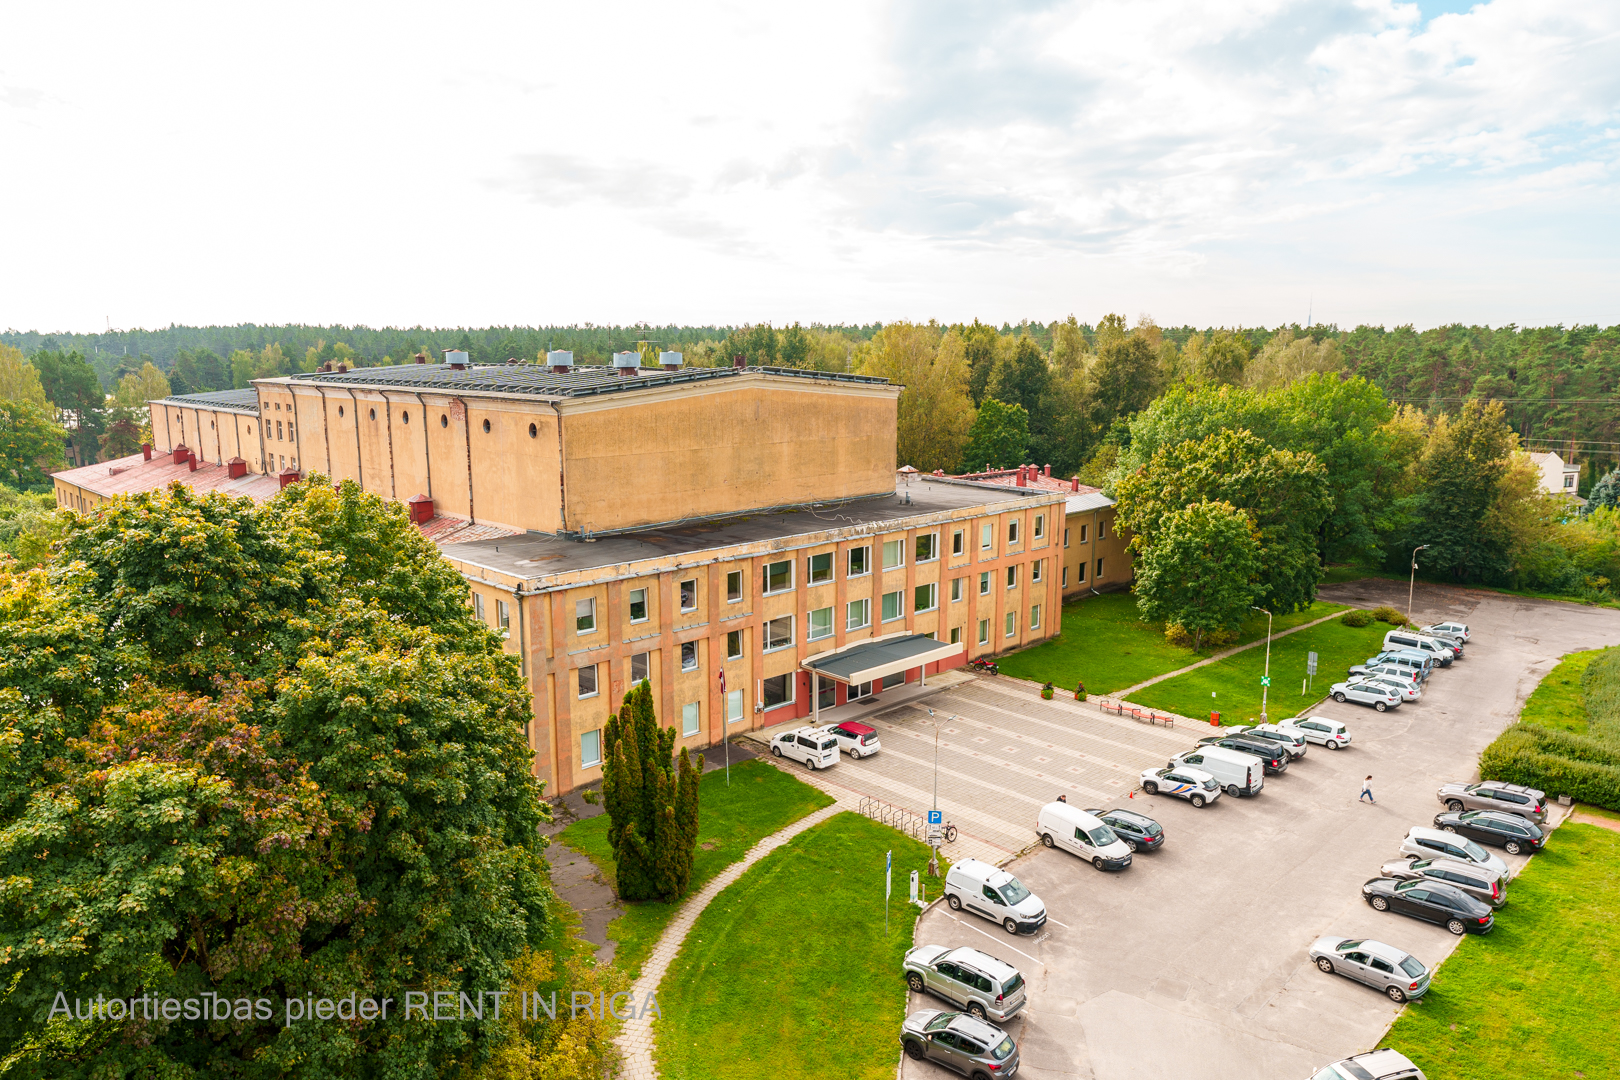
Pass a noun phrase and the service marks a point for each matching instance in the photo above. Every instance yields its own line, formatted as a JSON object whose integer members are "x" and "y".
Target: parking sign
{"x": 936, "y": 817}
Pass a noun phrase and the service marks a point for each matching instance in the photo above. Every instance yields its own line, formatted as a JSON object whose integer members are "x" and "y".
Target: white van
{"x": 1238, "y": 773}
{"x": 1435, "y": 649}
{"x": 997, "y": 895}
{"x": 811, "y": 745}
{"x": 1060, "y": 825}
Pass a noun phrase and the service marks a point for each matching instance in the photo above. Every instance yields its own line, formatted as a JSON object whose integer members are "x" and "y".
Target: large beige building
{"x": 721, "y": 532}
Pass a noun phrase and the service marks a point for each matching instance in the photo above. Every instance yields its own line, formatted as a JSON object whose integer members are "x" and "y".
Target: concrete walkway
{"x": 1221, "y": 656}
{"x": 635, "y": 1039}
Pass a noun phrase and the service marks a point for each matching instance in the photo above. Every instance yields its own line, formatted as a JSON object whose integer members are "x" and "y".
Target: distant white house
{"x": 1557, "y": 478}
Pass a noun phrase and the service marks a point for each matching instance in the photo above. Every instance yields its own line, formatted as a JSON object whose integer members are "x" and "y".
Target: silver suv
{"x": 1384, "y": 967}
{"x": 986, "y": 987}
{"x": 1383, "y": 1064}
{"x": 958, "y": 1041}
{"x": 1527, "y": 802}
{"x": 1475, "y": 880}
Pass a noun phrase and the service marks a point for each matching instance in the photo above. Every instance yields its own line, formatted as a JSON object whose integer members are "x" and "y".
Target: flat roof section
{"x": 237, "y": 400}
{"x": 534, "y": 555}
{"x": 872, "y": 660}
{"x": 533, "y": 380}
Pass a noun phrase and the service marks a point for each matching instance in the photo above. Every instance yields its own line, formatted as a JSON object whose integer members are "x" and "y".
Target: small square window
{"x": 478, "y": 607}
{"x": 734, "y": 581}
{"x": 958, "y": 541}
{"x": 927, "y": 547}
{"x": 894, "y": 606}
{"x": 860, "y": 561}
{"x": 925, "y": 597}
{"x": 859, "y": 614}
{"x": 821, "y": 568}
{"x": 585, "y": 615}
{"x": 640, "y": 667}
{"x": 1012, "y": 531}
{"x": 691, "y": 717}
{"x": 821, "y": 623}
{"x": 987, "y": 536}
{"x": 638, "y": 605}
{"x": 894, "y": 554}
{"x": 778, "y": 576}
{"x": 734, "y": 706}
{"x": 1035, "y": 617}
{"x": 1012, "y": 623}
{"x": 689, "y": 661}
{"x": 1040, "y": 526}
{"x": 689, "y": 594}
{"x": 503, "y": 615}
{"x": 587, "y": 681}
{"x": 1012, "y": 577}
{"x": 778, "y": 633}
{"x": 984, "y": 583}
{"x": 984, "y": 631}
{"x": 590, "y": 748}
{"x": 1035, "y": 569}
{"x": 734, "y": 639}
{"x": 956, "y": 590}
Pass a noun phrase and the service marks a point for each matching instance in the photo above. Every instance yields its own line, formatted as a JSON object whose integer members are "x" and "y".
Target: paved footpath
{"x": 635, "y": 1040}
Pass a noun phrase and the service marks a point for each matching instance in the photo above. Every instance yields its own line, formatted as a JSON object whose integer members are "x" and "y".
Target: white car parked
{"x": 1183, "y": 781}
{"x": 1381, "y": 698}
{"x": 1455, "y": 629}
{"x": 812, "y": 746}
{"x": 1319, "y": 729}
{"x": 1409, "y": 690}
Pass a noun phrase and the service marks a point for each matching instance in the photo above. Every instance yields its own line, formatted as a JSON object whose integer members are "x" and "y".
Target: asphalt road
{"x": 1193, "y": 961}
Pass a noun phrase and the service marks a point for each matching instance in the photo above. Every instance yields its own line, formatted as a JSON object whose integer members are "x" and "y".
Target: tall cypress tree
{"x": 652, "y": 810}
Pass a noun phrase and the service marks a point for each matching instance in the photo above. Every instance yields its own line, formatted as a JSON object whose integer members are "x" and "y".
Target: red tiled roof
{"x": 1009, "y": 478}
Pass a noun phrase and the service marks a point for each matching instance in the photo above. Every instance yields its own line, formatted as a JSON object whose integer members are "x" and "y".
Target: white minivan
{"x": 1238, "y": 773}
{"x": 997, "y": 895}
{"x": 810, "y": 745}
{"x": 1437, "y": 650}
{"x": 1060, "y": 825}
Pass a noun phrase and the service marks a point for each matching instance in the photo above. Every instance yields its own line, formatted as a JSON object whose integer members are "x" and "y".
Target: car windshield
{"x": 1210, "y": 785}
{"x": 1475, "y": 852}
{"x": 1102, "y": 836}
{"x": 1356, "y": 944}
{"x": 1013, "y": 892}
{"x": 1152, "y": 828}
{"x": 1412, "y": 967}
{"x": 1002, "y": 1049}
{"x": 943, "y": 1020}
{"x": 830, "y": 744}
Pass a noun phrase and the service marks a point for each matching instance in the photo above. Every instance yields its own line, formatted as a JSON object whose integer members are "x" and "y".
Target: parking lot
{"x": 1194, "y": 960}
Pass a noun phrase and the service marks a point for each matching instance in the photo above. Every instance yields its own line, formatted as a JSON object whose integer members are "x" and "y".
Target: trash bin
{"x": 1214, "y": 719}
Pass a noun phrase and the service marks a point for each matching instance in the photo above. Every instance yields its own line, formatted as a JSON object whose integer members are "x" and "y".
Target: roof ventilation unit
{"x": 627, "y": 363}
{"x": 456, "y": 358}
{"x": 559, "y": 361}
{"x": 670, "y": 361}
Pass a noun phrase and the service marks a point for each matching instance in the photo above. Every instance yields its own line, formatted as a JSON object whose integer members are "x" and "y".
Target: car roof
{"x": 1387, "y": 952}
{"x": 972, "y": 1025}
{"x": 1426, "y": 833}
{"x": 1073, "y": 813}
{"x": 986, "y": 963}
{"x": 1517, "y": 789}
{"x": 1498, "y": 815}
{"x": 1383, "y": 1064}
{"x": 856, "y": 728}
{"x": 1128, "y": 815}
{"x": 1192, "y": 772}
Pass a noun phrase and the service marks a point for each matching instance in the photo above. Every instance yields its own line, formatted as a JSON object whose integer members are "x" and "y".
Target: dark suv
{"x": 1274, "y": 755}
{"x": 1510, "y": 832}
{"x": 1140, "y": 832}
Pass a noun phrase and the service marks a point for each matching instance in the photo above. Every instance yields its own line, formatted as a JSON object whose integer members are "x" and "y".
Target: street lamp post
{"x": 1411, "y": 586}
{"x": 1265, "y": 683}
{"x": 933, "y": 862}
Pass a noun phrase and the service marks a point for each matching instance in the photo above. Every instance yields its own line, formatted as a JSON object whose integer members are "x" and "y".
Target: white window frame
{"x": 933, "y": 597}
{"x": 765, "y": 633}
{"x": 899, "y": 549}
{"x": 984, "y": 631}
{"x": 646, "y": 608}
{"x": 956, "y": 635}
{"x": 793, "y": 691}
{"x": 1065, "y": 575}
{"x": 589, "y": 603}
{"x": 866, "y": 614}
{"x": 987, "y": 536}
{"x": 1102, "y": 529}
{"x": 1080, "y": 578}
{"x": 596, "y": 737}
{"x": 693, "y": 666}
{"x": 1012, "y": 532}
{"x": 958, "y": 542}
{"x": 680, "y": 589}
{"x": 737, "y": 576}
{"x": 933, "y": 547}
{"x": 691, "y": 719}
{"x": 957, "y": 590}
{"x": 503, "y": 615}
{"x": 596, "y": 682}
{"x": 1012, "y": 576}
{"x": 1012, "y": 624}
{"x": 734, "y": 706}
{"x": 1065, "y": 536}
{"x": 737, "y": 636}
{"x": 791, "y": 576}
{"x": 810, "y": 567}
{"x": 1085, "y": 530}
{"x": 899, "y": 605}
{"x": 827, "y": 632}
{"x": 866, "y": 561}
{"x": 984, "y": 583}
{"x": 1040, "y": 526}
{"x": 1035, "y": 570}
{"x": 478, "y": 607}
{"x": 1035, "y": 616}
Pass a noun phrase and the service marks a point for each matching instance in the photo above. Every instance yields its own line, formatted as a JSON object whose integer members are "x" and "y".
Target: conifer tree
{"x": 653, "y": 809}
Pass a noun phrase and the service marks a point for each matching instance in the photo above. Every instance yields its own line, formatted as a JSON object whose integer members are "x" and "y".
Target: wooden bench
{"x": 1119, "y": 708}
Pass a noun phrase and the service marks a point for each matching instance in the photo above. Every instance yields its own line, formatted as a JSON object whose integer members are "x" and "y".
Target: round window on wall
{"x": 405, "y": 417}
{"x": 340, "y": 410}
{"x": 374, "y": 414}
{"x": 486, "y": 427}
{"x": 444, "y": 421}
{"x": 533, "y": 431}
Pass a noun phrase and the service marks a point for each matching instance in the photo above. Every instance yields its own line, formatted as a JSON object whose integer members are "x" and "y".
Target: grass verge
{"x": 1235, "y": 681}
{"x": 1557, "y": 701}
{"x": 1338, "y": 575}
{"x": 1105, "y": 643}
{"x": 787, "y": 974}
{"x": 761, "y": 800}
{"x": 1528, "y": 1000}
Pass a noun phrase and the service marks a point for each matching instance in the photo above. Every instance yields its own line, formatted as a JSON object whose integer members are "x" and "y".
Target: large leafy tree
{"x": 651, "y": 800}
{"x": 30, "y": 445}
{"x": 1458, "y": 484}
{"x": 1285, "y": 493}
{"x": 999, "y": 437}
{"x": 256, "y": 752}
{"x": 19, "y": 380}
{"x": 1202, "y": 571}
{"x": 935, "y": 413}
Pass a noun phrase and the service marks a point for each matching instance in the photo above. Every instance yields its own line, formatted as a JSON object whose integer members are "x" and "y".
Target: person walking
{"x": 1366, "y": 791}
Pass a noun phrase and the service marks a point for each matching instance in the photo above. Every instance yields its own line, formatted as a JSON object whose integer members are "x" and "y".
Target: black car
{"x": 1139, "y": 832}
{"x": 1273, "y": 754}
{"x": 1431, "y": 901}
{"x": 1511, "y": 832}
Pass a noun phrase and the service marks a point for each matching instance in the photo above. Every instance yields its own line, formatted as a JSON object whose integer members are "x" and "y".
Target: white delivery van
{"x": 1062, "y": 826}
{"x": 811, "y": 745}
{"x": 997, "y": 895}
{"x": 1238, "y": 773}
{"x": 1438, "y": 651}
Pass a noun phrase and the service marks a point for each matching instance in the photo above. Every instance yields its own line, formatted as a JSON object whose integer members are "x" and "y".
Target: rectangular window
{"x": 638, "y": 605}
{"x": 689, "y": 656}
{"x": 821, "y": 568}
{"x": 821, "y": 623}
{"x": 1012, "y": 623}
{"x": 894, "y": 554}
{"x": 478, "y": 607}
{"x": 778, "y": 633}
{"x": 734, "y": 641}
{"x": 1040, "y": 526}
{"x": 733, "y": 706}
{"x": 1035, "y": 569}
{"x": 778, "y": 576}
{"x": 860, "y": 561}
{"x": 956, "y": 635}
{"x": 1080, "y": 572}
{"x": 503, "y": 615}
{"x": 925, "y": 597}
{"x": 1012, "y": 531}
{"x": 984, "y": 583}
{"x": 1102, "y": 530}
{"x": 590, "y": 748}
{"x": 987, "y": 536}
{"x": 1098, "y": 574}
{"x": 894, "y": 606}
{"x": 859, "y": 614}
{"x": 640, "y": 667}
{"x": 689, "y": 594}
{"x": 691, "y": 716}
{"x": 585, "y": 615}
{"x": 958, "y": 541}
{"x": 1035, "y": 617}
{"x": 587, "y": 681}
{"x": 778, "y": 690}
{"x": 734, "y": 586}
{"x": 1065, "y": 537}
{"x": 1083, "y": 530}
{"x": 928, "y": 547}
{"x": 956, "y": 590}
{"x": 290, "y": 436}
{"x": 984, "y": 631}
{"x": 1012, "y": 577}
{"x": 1065, "y": 577}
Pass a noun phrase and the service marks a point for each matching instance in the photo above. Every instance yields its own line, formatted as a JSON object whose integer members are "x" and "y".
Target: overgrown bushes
{"x": 1385, "y": 613}
{"x": 1358, "y": 618}
{"x": 1585, "y": 767}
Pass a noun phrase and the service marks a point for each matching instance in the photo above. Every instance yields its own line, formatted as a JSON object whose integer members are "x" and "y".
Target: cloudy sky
{"x": 475, "y": 163}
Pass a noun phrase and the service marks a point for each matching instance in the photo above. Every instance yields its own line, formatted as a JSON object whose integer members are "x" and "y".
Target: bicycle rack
{"x": 896, "y": 817}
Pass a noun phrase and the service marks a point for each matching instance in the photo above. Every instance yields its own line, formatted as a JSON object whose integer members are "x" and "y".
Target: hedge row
{"x": 1600, "y": 686}
{"x": 1585, "y": 767}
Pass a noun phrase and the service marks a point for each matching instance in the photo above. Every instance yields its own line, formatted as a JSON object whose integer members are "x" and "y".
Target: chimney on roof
{"x": 146, "y": 451}
{"x": 236, "y": 467}
{"x": 289, "y": 476}
{"x": 1074, "y": 485}
{"x": 626, "y": 363}
{"x": 512, "y": 360}
{"x": 342, "y": 368}
{"x": 1047, "y": 471}
{"x": 456, "y": 358}
{"x": 421, "y": 508}
{"x": 180, "y": 453}
{"x": 670, "y": 361}
{"x": 191, "y": 461}
{"x": 939, "y": 472}
{"x": 421, "y": 358}
{"x": 1023, "y": 480}
{"x": 559, "y": 361}
{"x": 739, "y": 362}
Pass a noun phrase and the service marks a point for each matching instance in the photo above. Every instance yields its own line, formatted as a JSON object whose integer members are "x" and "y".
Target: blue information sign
{"x": 936, "y": 817}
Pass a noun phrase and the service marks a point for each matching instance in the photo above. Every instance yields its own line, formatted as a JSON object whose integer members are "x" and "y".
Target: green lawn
{"x": 1236, "y": 680}
{"x": 1337, "y": 575}
{"x": 1106, "y": 643}
{"x": 1557, "y": 701}
{"x": 1534, "y": 999}
{"x": 787, "y": 974}
{"x": 760, "y": 801}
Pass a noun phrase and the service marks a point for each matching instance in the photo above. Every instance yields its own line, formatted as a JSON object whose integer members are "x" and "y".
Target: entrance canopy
{"x": 871, "y": 660}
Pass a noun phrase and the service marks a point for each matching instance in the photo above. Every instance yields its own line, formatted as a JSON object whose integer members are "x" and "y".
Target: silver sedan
{"x": 1400, "y": 975}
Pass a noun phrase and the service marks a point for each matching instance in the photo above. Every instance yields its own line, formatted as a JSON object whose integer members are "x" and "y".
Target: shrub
{"x": 1358, "y": 618}
{"x": 1176, "y": 634}
{"x": 1557, "y": 762}
{"x": 1385, "y": 613}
